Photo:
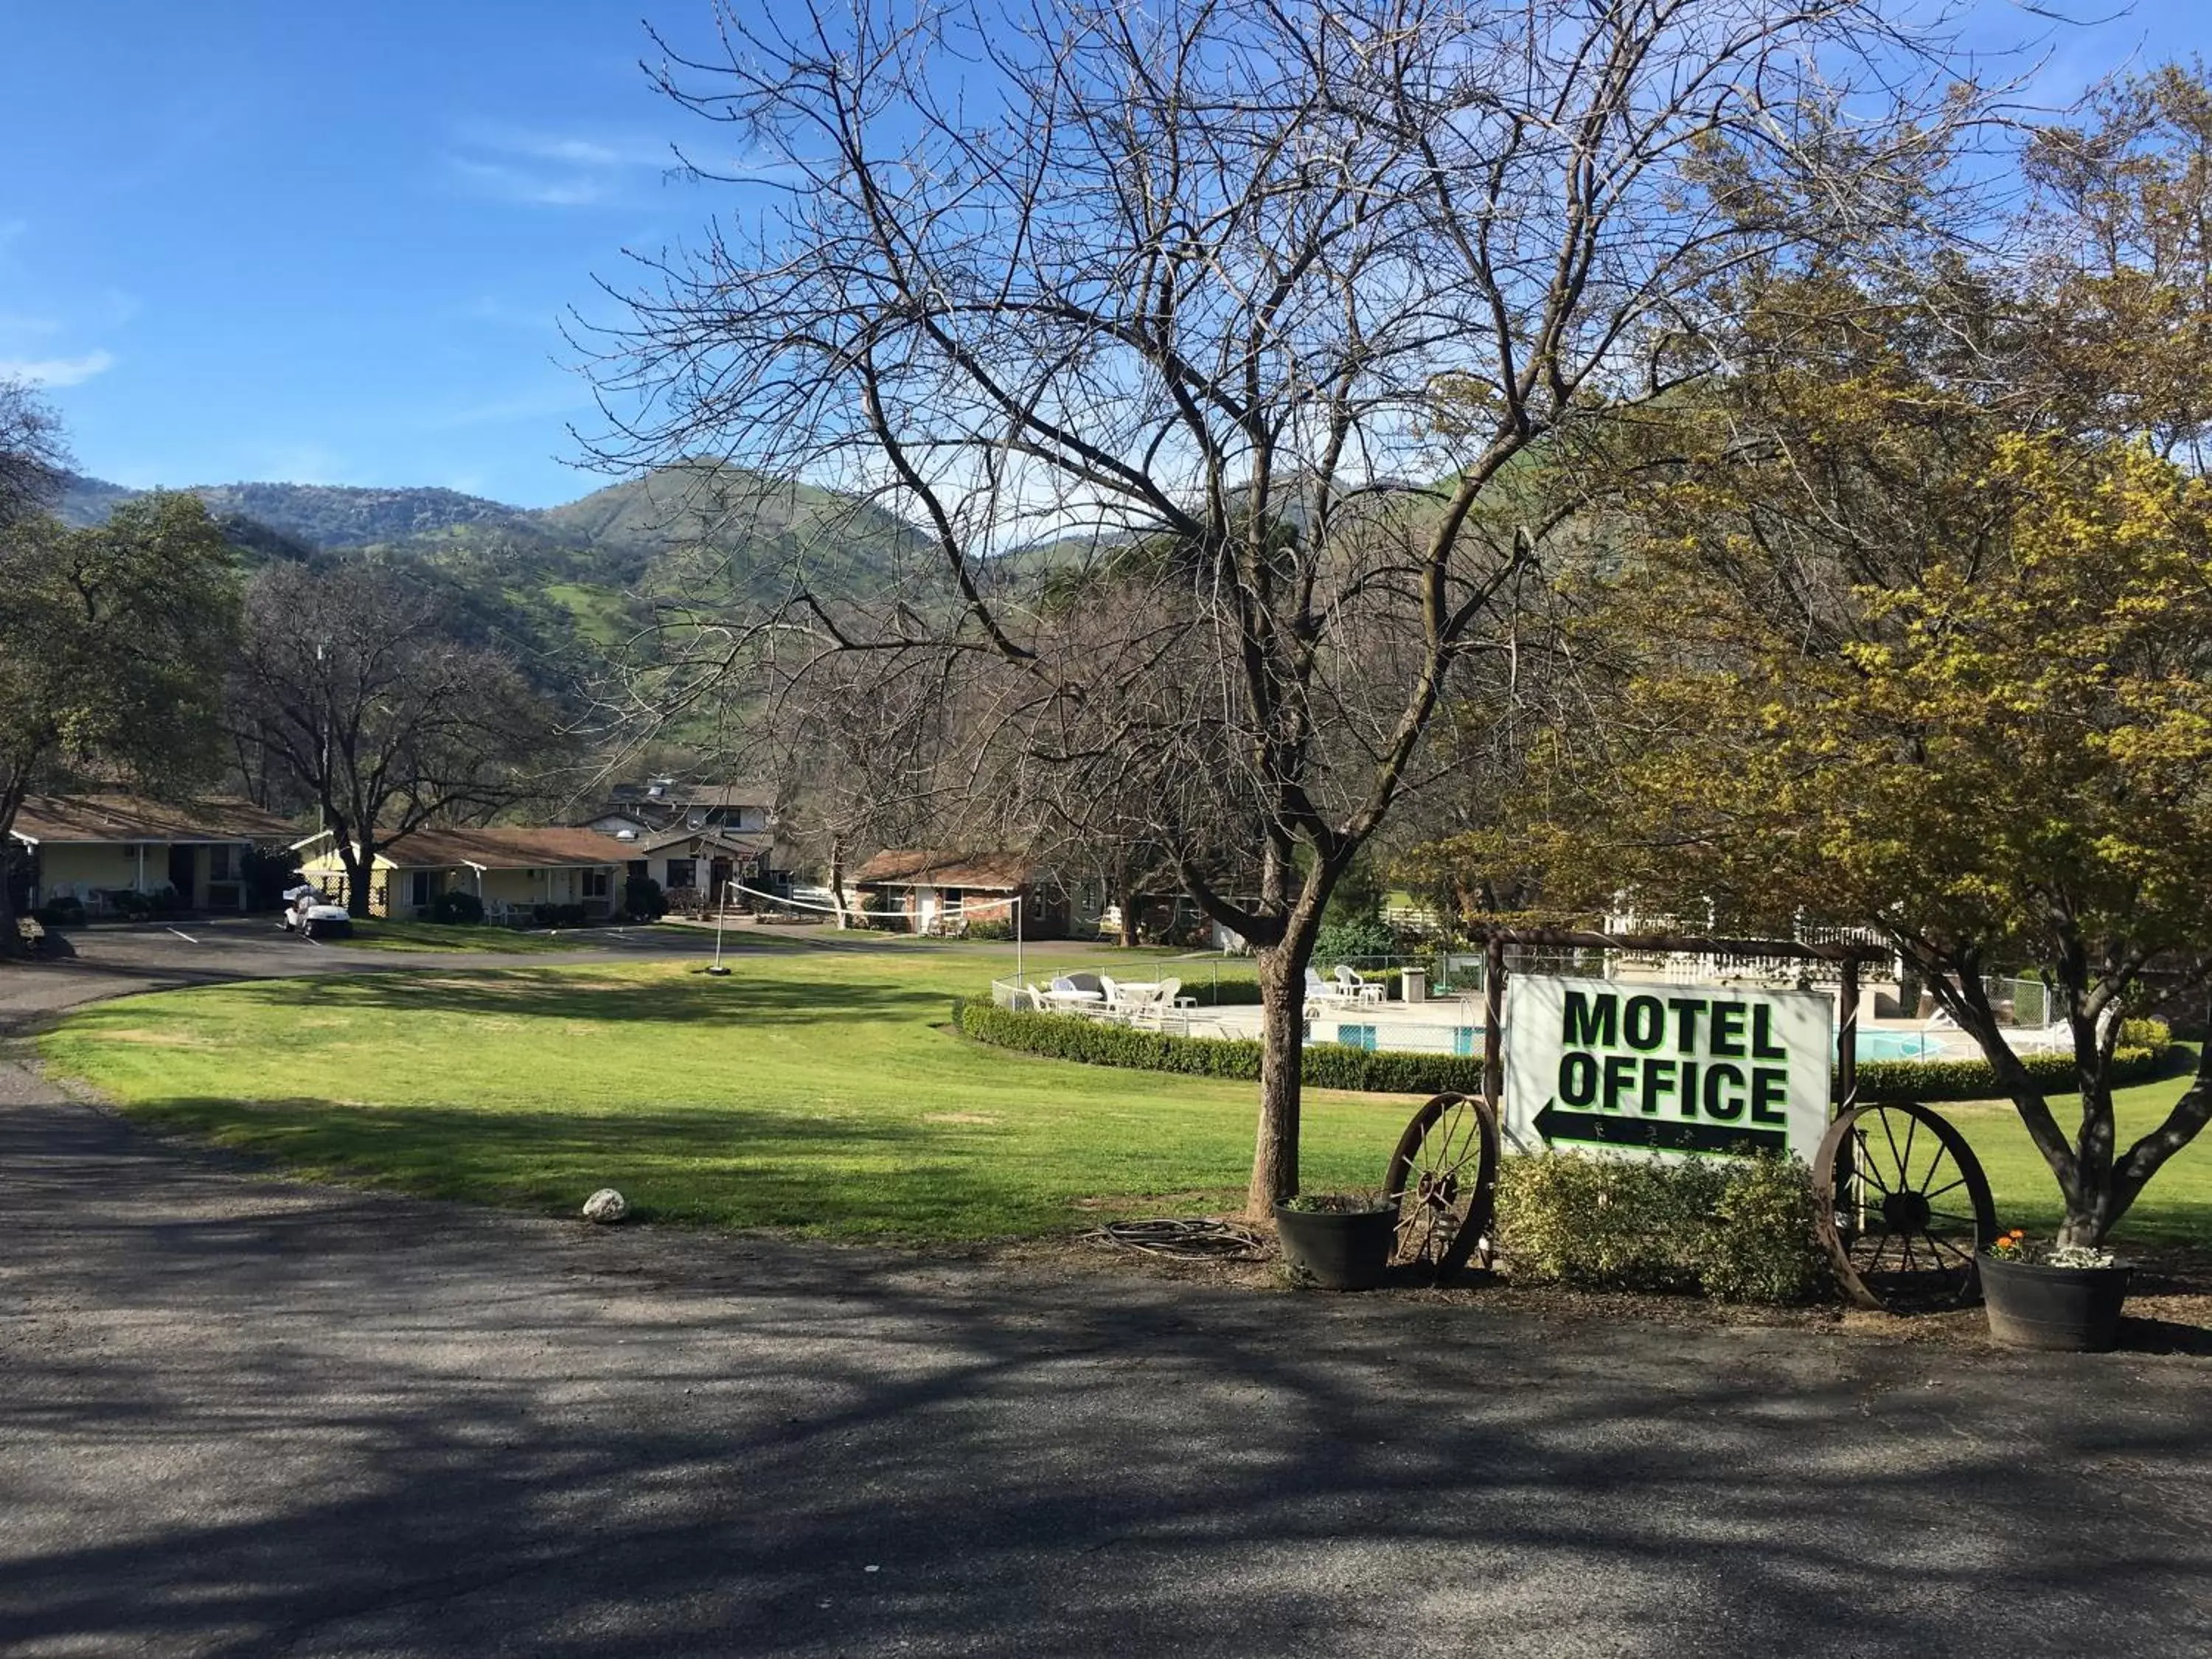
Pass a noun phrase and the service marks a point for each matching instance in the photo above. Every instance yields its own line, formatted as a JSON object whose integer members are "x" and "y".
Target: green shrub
{"x": 1235, "y": 992}
{"x": 1739, "y": 1229}
{"x": 1369, "y": 1203}
{"x": 990, "y": 930}
{"x": 457, "y": 909}
{"x": 2155, "y": 1035}
{"x": 1602, "y": 1224}
{"x": 643, "y": 898}
{"x": 1974, "y": 1079}
{"x": 1099, "y": 1042}
{"x": 1355, "y": 937}
{"x": 68, "y": 911}
{"x": 1762, "y": 1243}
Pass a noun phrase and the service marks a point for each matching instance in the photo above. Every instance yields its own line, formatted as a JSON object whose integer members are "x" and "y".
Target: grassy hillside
{"x": 642, "y": 532}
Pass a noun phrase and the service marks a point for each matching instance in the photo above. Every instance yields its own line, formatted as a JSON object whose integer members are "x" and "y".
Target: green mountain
{"x": 565, "y": 585}
{"x": 616, "y": 537}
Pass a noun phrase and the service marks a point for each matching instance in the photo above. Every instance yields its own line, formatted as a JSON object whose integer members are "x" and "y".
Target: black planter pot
{"x": 2074, "y": 1308}
{"x": 1336, "y": 1250}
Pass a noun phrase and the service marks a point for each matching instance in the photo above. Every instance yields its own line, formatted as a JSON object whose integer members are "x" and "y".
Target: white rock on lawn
{"x": 606, "y": 1205}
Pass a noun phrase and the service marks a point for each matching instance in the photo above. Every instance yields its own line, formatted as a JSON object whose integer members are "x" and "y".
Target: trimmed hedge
{"x": 1096, "y": 1042}
{"x": 1229, "y": 993}
{"x": 1975, "y": 1079}
{"x": 1739, "y": 1229}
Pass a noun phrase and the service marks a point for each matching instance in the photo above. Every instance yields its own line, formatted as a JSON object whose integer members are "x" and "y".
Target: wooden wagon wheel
{"x": 1442, "y": 1178}
{"x": 1908, "y": 1208}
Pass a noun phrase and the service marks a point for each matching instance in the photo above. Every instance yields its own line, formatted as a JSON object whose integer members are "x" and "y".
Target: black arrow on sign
{"x": 1658, "y": 1135}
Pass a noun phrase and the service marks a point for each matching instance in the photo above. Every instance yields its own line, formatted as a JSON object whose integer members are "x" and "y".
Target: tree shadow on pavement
{"x": 243, "y": 1415}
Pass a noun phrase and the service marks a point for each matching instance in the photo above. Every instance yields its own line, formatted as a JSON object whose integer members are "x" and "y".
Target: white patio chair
{"x": 1355, "y": 989}
{"x": 2054, "y": 1039}
{"x": 1321, "y": 990}
{"x": 1077, "y": 994}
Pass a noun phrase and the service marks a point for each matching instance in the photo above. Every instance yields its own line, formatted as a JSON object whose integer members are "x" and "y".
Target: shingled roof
{"x": 502, "y": 849}
{"x": 744, "y": 841}
{"x": 922, "y": 867}
{"x": 115, "y": 818}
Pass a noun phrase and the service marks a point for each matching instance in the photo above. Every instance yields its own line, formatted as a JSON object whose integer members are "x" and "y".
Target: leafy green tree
{"x": 2006, "y": 761}
{"x": 114, "y": 640}
{"x": 1913, "y": 628}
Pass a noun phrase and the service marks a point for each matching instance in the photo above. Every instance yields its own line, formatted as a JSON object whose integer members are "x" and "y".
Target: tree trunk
{"x": 1282, "y": 1056}
{"x": 2084, "y": 1165}
{"x": 2089, "y": 1216}
{"x": 837, "y": 880}
{"x": 359, "y": 873}
{"x": 11, "y": 943}
{"x": 1125, "y": 901}
{"x": 11, "y": 802}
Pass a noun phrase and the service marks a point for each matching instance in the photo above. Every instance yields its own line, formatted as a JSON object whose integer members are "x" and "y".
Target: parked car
{"x": 309, "y": 914}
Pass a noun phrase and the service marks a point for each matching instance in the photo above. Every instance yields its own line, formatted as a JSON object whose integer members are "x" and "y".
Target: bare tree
{"x": 32, "y": 453}
{"x": 351, "y": 682}
{"x": 1241, "y": 326}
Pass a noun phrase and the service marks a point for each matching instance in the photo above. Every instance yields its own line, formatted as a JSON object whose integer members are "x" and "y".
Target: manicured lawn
{"x": 2176, "y": 1207}
{"x": 431, "y": 936}
{"x": 815, "y": 1088}
{"x": 811, "y": 1089}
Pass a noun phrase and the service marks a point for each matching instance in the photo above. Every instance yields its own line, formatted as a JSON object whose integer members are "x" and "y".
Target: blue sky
{"x": 331, "y": 244}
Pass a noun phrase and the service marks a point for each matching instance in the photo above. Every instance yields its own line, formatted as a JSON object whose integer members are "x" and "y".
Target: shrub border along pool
{"x": 1330, "y": 1065}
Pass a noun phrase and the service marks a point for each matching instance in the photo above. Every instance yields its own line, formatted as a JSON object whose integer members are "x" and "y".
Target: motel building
{"x": 93, "y": 849}
{"x": 512, "y": 871}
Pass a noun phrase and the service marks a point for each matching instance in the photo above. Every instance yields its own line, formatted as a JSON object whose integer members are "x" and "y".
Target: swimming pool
{"x": 1901, "y": 1045}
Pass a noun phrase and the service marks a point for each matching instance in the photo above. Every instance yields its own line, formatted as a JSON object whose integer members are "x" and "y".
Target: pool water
{"x": 1901, "y": 1045}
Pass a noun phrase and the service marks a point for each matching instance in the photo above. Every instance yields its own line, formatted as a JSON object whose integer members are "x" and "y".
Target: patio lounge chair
{"x": 1076, "y": 993}
{"x": 1353, "y": 987}
{"x": 2056, "y": 1039}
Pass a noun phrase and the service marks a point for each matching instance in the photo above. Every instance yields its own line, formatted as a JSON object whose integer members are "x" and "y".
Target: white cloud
{"x": 570, "y": 150}
{"x": 58, "y": 371}
{"x": 552, "y": 169}
{"x": 534, "y": 189}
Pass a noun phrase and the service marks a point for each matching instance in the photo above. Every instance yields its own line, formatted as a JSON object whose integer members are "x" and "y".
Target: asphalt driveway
{"x": 239, "y": 1414}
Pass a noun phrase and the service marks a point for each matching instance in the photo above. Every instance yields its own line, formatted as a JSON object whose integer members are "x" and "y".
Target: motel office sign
{"x": 1596, "y": 1066}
